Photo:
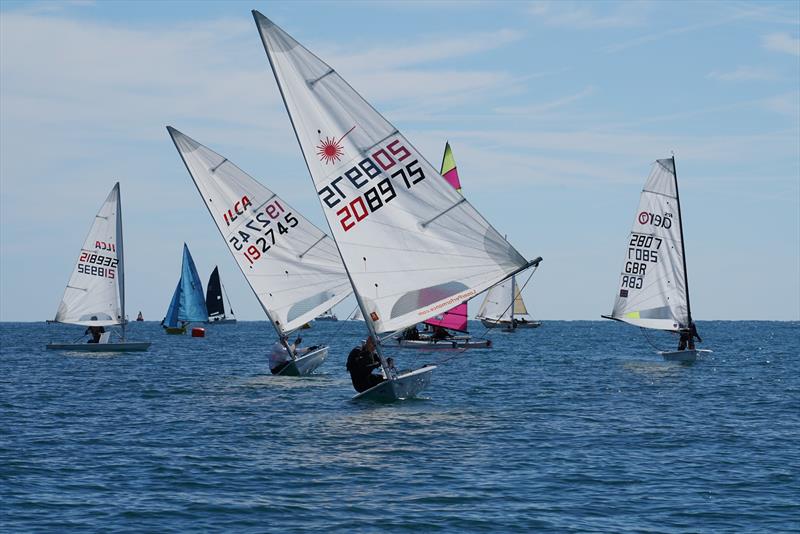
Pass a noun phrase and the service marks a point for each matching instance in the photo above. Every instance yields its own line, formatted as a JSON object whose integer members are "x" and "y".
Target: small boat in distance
{"x": 497, "y": 310}
{"x": 140, "y": 317}
{"x": 188, "y": 304}
{"x": 327, "y": 316}
{"x": 654, "y": 288}
{"x": 216, "y": 297}
{"x": 95, "y": 294}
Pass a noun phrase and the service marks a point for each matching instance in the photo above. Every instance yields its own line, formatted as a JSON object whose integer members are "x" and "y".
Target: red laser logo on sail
{"x": 330, "y": 150}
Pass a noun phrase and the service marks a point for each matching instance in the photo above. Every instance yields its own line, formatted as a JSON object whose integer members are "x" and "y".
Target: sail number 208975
{"x": 386, "y": 161}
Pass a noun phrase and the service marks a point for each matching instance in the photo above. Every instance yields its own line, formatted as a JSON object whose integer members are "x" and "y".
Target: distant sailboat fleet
{"x": 401, "y": 238}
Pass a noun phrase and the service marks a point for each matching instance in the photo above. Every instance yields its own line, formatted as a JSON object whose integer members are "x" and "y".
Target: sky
{"x": 554, "y": 111}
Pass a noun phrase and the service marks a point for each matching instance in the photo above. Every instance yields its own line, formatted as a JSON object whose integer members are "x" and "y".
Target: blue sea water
{"x": 573, "y": 427}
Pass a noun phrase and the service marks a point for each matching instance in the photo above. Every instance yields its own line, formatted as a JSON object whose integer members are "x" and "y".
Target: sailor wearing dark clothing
{"x": 95, "y": 331}
{"x": 360, "y": 363}
{"x": 411, "y": 333}
{"x": 687, "y": 337}
{"x": 440, "y": 333}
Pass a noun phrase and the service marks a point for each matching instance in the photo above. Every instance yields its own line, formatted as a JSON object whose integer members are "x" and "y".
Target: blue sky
{"x": 554, "y": 110}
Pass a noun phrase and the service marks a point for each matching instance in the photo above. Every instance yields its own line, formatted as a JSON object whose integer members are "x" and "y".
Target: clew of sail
{"x": 292, "y": 266}
{"x": 188, "y": 303}
{"x": 412, "y": 245}
{"x": 96, "y": 287}
{"x": 652, "y": 291}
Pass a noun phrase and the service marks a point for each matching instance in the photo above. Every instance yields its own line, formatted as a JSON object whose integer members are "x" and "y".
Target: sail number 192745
{"x": 258, "y": 235}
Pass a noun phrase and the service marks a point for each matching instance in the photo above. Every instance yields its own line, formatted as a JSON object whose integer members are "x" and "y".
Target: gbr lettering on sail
{"x": 646, "y": 241}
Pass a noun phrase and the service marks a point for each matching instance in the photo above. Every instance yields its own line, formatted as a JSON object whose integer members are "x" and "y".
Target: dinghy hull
{"x": 306, "y": 364}
{"x": 683, "y": 356}
{"x": 175, "y": 331}
{"x": 506, "y": 325}
{"x": 404, "y": 386}
{"x": 444, "y": 344}
{"x": 128, "y": 346}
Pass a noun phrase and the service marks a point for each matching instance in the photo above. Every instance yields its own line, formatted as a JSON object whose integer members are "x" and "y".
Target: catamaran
{"x": 411, "y": 245}
{"x": 437, "y": 330}
{"x": 497, "y": 309}
{"x": 188, "y": 304}
{"x": 654, "y": 289}
{"x": 291, "y": 265}
{"x": 216, "y": 297}
{"x": 95, "y": 294}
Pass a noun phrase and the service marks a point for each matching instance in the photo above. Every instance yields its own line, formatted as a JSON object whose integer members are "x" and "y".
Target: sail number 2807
{"x": 389, "y": 163}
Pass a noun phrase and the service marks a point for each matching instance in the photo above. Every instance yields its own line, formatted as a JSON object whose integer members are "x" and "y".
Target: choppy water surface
{"x": 575, "y": 426}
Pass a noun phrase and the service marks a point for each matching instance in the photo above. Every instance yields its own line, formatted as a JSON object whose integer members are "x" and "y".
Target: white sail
{"x": 412, "y": 245}
{"x": 95, "y": 292}
{"x": 652, "y": 291}
{"x": 291, "y": 265}
{"x": 497, "y": 303}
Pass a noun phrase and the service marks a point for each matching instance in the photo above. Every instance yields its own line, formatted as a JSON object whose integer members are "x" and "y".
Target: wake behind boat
{"x": 400, "y": 228}
{"x": 95, "y": 294}
{"x": 291, "y": 265}
{"x": 654, "y": 287}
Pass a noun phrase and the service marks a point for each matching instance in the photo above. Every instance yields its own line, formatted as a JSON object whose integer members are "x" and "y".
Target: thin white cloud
{"x": 782, "y": 42}
{"x": 538, "y": 109}
{"x": 787, "y": 104}
{"x": 582, "y": 15}
{"x": 742, "y": 73}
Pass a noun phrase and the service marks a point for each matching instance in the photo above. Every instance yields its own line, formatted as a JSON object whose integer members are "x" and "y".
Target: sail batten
{"x": 375, "y": 188}
{"x": 292, "y": 266}
{"x": 95, "y": 293}
{"x": 652, "y": 290}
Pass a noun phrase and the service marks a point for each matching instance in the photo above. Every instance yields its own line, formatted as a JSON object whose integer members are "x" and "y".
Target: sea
{"x": 577, "y": 426}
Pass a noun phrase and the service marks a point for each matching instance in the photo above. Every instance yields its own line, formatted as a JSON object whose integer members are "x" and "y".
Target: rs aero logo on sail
{"x": 647, "y": 217}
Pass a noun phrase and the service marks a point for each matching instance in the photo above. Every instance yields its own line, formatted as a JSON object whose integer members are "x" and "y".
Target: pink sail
{"x": 455, "y": 318}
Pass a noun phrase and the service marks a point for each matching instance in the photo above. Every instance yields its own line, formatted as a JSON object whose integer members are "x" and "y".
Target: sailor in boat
{"x": 687, "y": 337}
{"x": 440, "y": 333}
{"x": 360, "y": 363}
{"x": 411, "y": 333}
{"x": 95, "y": 331}
{"x": 279, "y": 356}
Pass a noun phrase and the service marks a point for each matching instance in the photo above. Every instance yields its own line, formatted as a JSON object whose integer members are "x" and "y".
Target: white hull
{"x": 507, "y": 326}
{"x": 305, "y": 364}
{"x": 127, "y": 346}
{"x": 404, "y": 386}
{"x": 683, "y": 356}
{"x": 444, "y": 344}
{"x": 221, "y": 321}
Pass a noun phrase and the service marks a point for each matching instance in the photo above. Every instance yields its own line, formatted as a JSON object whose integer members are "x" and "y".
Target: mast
{"x": 367, "y": 318}
{"x": 683, "y": 244}
{"x": 121, "y": 257}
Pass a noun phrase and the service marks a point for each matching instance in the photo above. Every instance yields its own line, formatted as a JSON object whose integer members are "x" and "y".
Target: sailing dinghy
{"x": 95, "y": 294}
{"x": 654, "y": 289}
{"x": 188, "y": 304}
{"x": 291, "y": 265}
{"x": 216, "y": 297}
{"x": 497, "y": 309}
{"x": 454, "y": 319}
{"x": 411, "y": 245}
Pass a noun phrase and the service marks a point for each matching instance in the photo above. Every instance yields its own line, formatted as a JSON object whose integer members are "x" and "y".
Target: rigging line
{"x": 460, "y": 352}
{"x": 338, "y": 330}
{"x": 647, "y": 338}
